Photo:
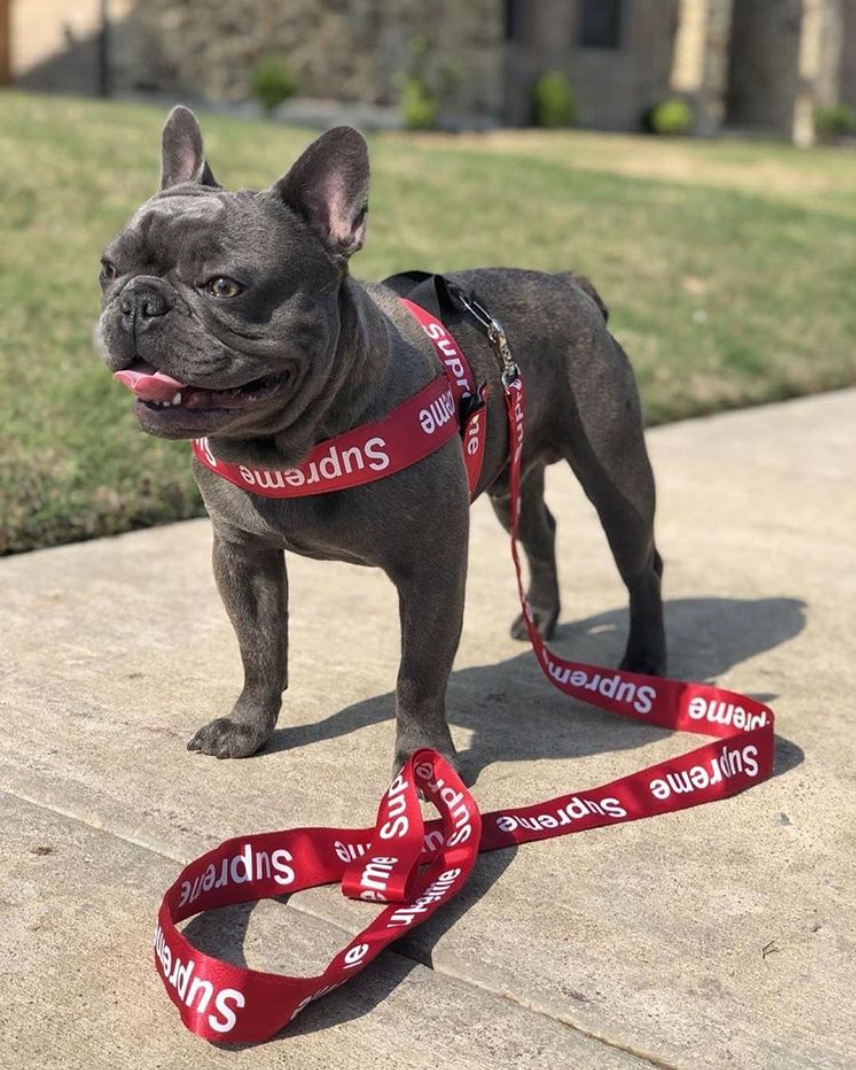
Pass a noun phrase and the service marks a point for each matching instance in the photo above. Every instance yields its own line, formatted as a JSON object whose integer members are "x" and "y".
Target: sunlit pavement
{"x": 719, "y": 936}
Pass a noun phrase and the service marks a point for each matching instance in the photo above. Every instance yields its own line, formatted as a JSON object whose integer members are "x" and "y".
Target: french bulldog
{"x": 239, "y": 311}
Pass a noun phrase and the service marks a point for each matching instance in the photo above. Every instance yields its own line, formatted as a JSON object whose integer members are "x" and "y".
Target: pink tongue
{"x": 148, "y": 383}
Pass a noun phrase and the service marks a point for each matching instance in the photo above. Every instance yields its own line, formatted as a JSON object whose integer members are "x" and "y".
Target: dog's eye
{"x": 108, "y": 270}
{"x": 223, "y": 287}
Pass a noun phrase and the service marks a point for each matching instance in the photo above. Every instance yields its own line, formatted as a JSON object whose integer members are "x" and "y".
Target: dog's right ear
{"x": 328, "y": 187}
{"x": 183, "y": 155}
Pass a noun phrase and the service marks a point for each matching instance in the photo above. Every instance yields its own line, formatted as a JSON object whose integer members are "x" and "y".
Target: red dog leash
{"x": 415, "y": 867}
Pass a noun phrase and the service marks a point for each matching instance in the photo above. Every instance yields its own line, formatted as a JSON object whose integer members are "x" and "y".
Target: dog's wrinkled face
{"x": 220, "y": 310}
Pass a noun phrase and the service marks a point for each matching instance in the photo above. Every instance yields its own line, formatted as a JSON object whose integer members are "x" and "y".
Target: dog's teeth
{"x": 177, "y": 399}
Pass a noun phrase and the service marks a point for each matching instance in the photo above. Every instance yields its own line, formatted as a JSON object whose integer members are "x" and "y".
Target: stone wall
{"x": 54, "y": 44}
{"x": 759, "y": 63}
{"x": 612, "y": 86}
{"x": 350, "y": 50}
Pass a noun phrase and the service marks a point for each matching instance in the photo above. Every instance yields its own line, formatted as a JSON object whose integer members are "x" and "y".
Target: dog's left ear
{"x": 328, "y": 187}
{"x": 183, "y": 155}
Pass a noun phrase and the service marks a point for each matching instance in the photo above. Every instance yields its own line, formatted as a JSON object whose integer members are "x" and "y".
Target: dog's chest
{"x": 325, "y": 527}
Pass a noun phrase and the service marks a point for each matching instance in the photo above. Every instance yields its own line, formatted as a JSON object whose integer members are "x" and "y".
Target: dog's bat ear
{"x": 183, "y": 156}
{"x": 328, "y": 187}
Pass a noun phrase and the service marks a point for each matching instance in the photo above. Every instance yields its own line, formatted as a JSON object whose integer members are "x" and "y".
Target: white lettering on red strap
{"x": 196, "y": 994}
{"x": 447, "y": 349}
{"x": 697, "y": 778}
{"x": 438, "y": 413}
{"x": 474, "y": 431}
{"x": 238, "y": 869}
{"x": 414, "y": 429}
{"x": 434, "y": 893}
{"x": 612, "y": 685}
{"x": 575, "y": 809}
{"x": 348, "y": 852}
{"x": 397, "y": 825}
{"x": 718, "y": 712}
{"x": 375, "y": 877}
{"x": 330, "y": 467}
{"x": 416, "y": 868}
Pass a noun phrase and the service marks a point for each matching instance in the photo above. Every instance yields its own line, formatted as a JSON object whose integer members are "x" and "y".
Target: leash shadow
{"x": 379, "y": 980}
{"x": 512, "y": 714}
{"x": 223, "y": 934}
{"x": 708, "y": 637}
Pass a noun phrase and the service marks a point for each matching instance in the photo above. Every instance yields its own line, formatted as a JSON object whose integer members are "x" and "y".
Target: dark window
{"x": 512, "y": 20}
{"x": 600, "y": 24}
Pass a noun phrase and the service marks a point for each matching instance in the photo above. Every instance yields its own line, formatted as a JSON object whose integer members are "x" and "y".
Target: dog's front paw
{"x": 227, "y": 738}
{"x": 409, "y": 741}
{"x": 401, "y": 757}
{"x": 545, "y": 623}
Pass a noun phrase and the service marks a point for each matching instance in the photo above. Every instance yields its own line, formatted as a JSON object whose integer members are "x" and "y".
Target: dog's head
{"x": 221, "y": 311}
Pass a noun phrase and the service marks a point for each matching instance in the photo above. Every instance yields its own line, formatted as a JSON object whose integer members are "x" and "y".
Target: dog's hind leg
{"x": 537, "y": 531}
{"x": 611, "y": 463}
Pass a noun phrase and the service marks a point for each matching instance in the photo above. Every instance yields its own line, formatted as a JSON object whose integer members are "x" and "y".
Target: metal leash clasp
{"x": 497, "y": 338}
{"x": 495, "y": 334}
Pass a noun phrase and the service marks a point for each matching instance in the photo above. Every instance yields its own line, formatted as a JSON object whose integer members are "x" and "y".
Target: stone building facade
{"x": 617, "y": 56}
{"x": 349, "y": 50}
{"x": 760, "y": 64}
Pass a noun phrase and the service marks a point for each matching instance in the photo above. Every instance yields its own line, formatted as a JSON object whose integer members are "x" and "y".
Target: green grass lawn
{"x": 729, "y": 267}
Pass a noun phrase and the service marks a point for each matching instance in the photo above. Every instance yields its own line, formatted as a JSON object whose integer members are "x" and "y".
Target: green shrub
{"x": 419, "y": 104}
{"x": 670, "y": 118}
{"x": 833, "y": 122}
{"x": 553, "y": 103}
{"x": 272, "y": 82}
{"x": 425, "y": 84}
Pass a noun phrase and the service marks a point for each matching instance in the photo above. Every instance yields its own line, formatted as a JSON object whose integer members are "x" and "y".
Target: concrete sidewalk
{"x": 723, "y": 936}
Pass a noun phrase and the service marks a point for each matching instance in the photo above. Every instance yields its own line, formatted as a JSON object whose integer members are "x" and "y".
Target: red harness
{"x": 415, "y": 867}
{"x": 418, "y": 426}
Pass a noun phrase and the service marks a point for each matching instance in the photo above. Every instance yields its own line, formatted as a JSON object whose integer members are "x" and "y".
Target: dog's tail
{"x": 584, "y": 283}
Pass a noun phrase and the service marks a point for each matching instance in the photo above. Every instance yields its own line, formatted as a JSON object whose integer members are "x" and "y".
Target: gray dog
{"x": 243, "y": 302}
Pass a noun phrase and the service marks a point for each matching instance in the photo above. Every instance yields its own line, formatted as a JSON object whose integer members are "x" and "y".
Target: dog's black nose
{"x": 140, "y": 307}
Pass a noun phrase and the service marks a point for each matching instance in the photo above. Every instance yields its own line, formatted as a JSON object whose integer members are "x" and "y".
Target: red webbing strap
{"x": 415, "y": 428}
{"x": 224, "y": 1002}
{"x": 463, "y": 385}
{"x": 220, "y": 1001}
{"x": 418, "y": 426}
{"x": 742, "y": 756}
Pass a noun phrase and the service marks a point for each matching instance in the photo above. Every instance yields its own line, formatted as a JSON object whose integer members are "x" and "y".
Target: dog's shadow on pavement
{"x": 514, "y": 715}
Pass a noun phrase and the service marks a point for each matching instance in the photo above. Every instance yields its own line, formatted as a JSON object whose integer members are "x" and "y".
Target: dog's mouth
{"x": 160, "y": 395}
{"x": 158, "y": 390}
